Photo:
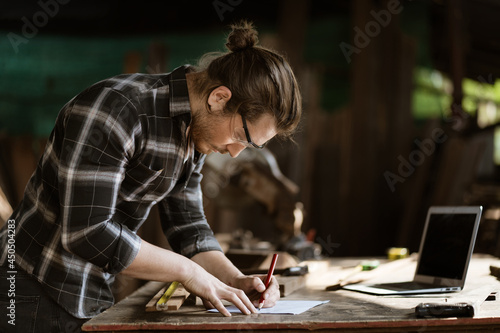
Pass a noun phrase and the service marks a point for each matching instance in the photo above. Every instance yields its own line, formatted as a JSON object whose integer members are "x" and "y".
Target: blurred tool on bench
{"x": 237, "y": 185}
{"x": 366, "y": 265}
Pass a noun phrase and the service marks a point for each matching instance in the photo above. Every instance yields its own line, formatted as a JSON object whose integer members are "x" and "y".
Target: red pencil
{"x": 268, "y": 278}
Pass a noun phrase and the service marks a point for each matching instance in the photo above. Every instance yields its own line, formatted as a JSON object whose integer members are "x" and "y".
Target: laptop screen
{"x": 446, "y": 245}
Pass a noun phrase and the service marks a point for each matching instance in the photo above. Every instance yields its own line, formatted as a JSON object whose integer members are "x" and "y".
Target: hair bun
{"x": 243, "y": 36}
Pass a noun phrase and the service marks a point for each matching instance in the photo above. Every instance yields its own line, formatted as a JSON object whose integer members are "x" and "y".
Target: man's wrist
{"x": 188, "y": 271}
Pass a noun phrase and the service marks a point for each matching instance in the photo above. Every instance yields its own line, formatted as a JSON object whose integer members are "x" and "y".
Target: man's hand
{"x": 254, "y": 286}
{"x": 216, "y": 263}
{"x": 212, "y": 291}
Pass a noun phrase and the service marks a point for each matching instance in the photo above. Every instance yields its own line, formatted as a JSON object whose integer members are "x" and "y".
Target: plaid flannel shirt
{"x": 117, "y": 149}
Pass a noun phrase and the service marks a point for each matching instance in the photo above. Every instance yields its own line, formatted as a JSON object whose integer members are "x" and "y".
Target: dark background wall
{"x": 378, "y": 79}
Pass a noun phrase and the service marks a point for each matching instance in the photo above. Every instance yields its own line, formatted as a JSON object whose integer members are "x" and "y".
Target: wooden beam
{"x": 456, "y": 34}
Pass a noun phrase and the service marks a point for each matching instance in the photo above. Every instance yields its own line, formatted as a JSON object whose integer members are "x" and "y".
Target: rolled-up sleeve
{"x": 97, "y": 143}
{"x": 183, "y": 218}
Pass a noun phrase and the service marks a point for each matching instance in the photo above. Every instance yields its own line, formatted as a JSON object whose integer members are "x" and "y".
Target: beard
{"x": 197, "y": 129}
{"x": 202, "y": 132}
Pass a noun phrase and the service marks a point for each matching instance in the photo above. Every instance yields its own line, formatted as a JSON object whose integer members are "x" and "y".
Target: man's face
{"x": 212, "y": 132}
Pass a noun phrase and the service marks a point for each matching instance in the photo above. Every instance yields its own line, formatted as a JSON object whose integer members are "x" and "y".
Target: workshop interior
{"x": 401, "y": 105}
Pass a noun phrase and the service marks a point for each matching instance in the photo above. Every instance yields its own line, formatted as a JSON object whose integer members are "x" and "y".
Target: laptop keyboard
{"x": 410, "y": 285}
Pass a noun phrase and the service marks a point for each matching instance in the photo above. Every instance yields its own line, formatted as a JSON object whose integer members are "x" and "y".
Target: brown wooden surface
{"x": 346, "y": 312}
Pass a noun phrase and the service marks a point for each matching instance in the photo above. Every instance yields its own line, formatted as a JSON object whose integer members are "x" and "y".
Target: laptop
{"x": 445, "y": 251}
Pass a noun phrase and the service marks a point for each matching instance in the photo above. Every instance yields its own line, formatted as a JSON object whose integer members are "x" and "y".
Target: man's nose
{"x": 235, "y": 149}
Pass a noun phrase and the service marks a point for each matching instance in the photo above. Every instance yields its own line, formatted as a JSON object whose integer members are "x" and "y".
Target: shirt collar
{"x": 179, "y": 94}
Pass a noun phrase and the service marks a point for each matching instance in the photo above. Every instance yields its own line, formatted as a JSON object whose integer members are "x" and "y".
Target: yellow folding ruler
{"x": 170, "y": 297}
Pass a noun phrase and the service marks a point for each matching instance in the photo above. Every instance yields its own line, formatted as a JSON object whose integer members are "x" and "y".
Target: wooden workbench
{"x": 346, "y": 312}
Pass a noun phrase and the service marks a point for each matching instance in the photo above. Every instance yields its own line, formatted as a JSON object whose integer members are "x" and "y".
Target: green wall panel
{"x": 48, "y": 71}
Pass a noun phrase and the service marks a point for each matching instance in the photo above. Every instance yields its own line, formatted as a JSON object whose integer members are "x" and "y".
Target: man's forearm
{"x": 158, "y": 264}
{"x": 217, "y": 264}
{"x": 155, "y": 263}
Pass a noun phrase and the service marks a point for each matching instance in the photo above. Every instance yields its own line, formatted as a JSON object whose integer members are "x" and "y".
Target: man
{"x": 124, "y": 145}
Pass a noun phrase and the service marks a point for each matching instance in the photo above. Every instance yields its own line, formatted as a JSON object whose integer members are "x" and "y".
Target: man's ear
{"x": 219, "y": 97}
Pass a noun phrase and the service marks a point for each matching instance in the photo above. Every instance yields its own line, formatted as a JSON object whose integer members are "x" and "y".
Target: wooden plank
{"x": 292, "y": 22}
{"x": 456, "y": 30}
{"x": 290, "y": 284}
{"x": 151, "y": 306}
{"x": 174, "y": 303}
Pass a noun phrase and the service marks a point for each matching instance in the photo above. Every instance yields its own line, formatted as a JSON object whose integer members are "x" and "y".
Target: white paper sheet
{"x": 282, "y": 307}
